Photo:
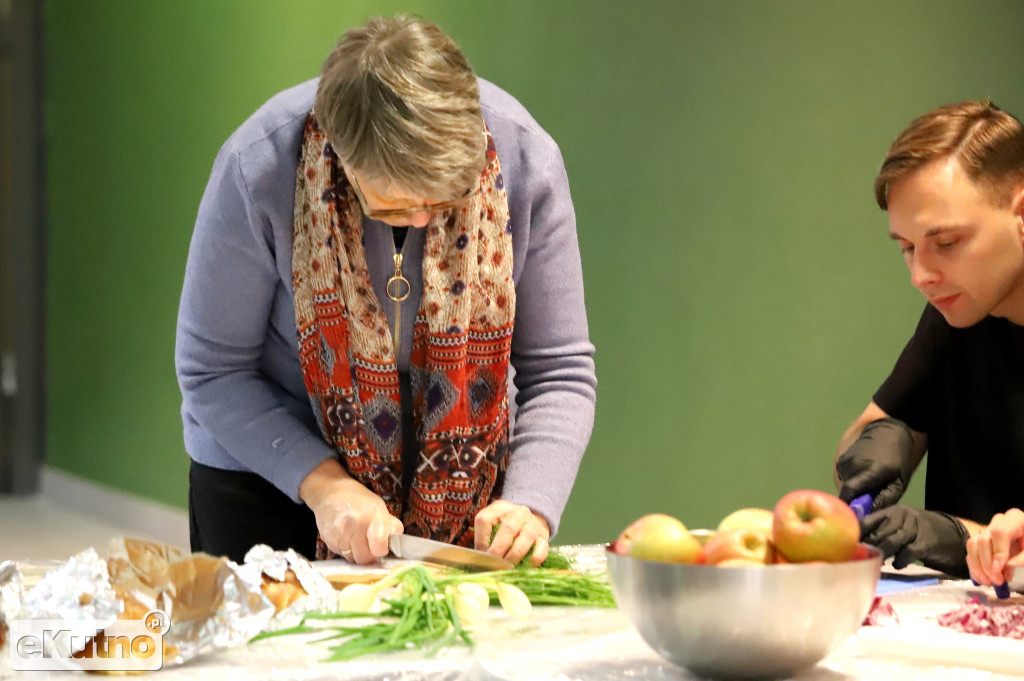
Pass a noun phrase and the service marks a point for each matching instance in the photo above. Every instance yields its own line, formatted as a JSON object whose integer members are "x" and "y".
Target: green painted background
{"x": 743, "y": 297}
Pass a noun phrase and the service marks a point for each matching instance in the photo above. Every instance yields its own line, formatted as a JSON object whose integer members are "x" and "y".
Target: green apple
{"x": 811, "y": 525}
{"x": 659, "y": 537}
{"x": 750, "y": 518}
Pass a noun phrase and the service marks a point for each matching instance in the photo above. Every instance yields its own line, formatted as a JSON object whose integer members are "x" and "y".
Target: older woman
{"x": 377, "y": 252}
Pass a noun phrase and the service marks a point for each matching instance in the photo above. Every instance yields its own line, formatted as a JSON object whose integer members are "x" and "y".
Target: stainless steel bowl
{"x": 744, "y": 622}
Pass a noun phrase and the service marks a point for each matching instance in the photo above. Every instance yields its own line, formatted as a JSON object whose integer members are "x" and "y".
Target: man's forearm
{"x": 973, "y": 528}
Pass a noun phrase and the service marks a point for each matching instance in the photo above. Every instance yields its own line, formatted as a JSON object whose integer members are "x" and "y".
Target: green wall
{"x": 743, "y": 297}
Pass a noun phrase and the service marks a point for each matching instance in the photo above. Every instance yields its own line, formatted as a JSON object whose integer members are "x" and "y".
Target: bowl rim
{"x": 873, "y": 554}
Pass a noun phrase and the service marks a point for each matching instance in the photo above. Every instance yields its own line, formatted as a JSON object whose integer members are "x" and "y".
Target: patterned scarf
{"x": 462, "y": 339}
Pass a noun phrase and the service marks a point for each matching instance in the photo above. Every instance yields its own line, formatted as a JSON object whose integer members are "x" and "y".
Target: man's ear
{"x": 1017, "y": 206}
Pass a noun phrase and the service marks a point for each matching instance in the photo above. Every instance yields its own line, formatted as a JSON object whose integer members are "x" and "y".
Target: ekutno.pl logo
{"x": 124, "y": 645}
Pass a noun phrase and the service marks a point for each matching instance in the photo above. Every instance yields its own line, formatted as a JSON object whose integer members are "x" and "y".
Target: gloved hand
{"x": 878, "y": 463}
{"x": 909, "y": 534}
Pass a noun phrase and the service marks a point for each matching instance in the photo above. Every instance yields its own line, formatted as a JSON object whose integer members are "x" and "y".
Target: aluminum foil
{"x": 11, "y": 591}
{"x": 213, "y": 603}
{"x": 240, "y": 613}
{"x": 77, "y": 590}
{"x": 586, "y": 559}
{"x": 11, "y": 599}
{"x": 321, "y": 595}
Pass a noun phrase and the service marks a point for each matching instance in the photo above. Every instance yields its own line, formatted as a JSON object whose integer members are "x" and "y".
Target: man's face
{"x": 965, "y": 254}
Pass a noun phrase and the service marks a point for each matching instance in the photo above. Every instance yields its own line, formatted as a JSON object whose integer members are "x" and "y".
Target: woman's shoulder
{"x": 281, "y": 116}
{"x": 510, "y": 122}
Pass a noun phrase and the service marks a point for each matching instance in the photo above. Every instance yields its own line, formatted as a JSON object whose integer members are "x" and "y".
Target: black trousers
{"x": 230, "y": 511}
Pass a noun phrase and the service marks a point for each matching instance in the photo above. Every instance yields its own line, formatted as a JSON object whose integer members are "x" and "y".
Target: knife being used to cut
{"x": 430, "y": 551}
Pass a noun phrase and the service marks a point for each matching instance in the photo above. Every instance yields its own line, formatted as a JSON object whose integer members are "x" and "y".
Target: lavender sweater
{"x": 244, "y": 404}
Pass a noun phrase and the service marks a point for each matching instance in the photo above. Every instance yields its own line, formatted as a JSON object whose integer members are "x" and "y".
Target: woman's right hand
{"x": 353, "y": 521}
{"x": 994, "y": 553}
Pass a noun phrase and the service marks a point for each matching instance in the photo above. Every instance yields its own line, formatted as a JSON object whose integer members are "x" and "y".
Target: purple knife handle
{"x": 1002, "y": 590}
{"x": 862, "y": 505}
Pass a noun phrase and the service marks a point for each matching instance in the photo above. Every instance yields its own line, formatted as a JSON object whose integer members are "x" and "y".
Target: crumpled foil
{"x": 76, "y": 590}
{"x": 321, "y": 595}
{"x": 240, "y": 613}
{"x": 586, "y": 559}
{"x": 212, "y": 603}
{"x": 11, "y": 597}
{"x": 11, "y": 591}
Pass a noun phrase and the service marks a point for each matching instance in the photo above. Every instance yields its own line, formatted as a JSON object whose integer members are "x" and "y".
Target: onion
{"x": 1005, "y": 620}
{"x": 514, "y": 601}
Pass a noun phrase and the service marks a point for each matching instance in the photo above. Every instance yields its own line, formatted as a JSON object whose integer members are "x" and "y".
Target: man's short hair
{"x": 401, "y": 106}
{"x": 986, "y": 141}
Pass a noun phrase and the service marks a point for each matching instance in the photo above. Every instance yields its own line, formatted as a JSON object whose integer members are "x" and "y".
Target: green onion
{"x": 544, "y": 586}
{"x": 423, "y": 613}
{"x": 554, "y": 559}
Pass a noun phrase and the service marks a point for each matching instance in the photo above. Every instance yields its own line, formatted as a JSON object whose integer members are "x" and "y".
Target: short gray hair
{"x": 400, "y": 105}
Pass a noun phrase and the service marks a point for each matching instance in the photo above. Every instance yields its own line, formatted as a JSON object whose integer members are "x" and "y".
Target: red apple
{"x": 861, "y": 552}
{"x": 658, "y": 537}
{"x": 739, "y": 543}
{"x": 812, "y": 525}
{"x": 752, "y": 518}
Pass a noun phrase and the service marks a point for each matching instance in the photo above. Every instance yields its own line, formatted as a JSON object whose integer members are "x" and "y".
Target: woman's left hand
{"x": 520, "y": 529}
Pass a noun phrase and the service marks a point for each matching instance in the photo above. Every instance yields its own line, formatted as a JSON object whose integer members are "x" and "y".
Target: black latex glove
{"x": 878, "y": 463}
{"x": 909, "y": 534}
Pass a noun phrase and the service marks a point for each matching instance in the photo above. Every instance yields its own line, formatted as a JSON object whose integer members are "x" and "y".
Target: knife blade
{"x": 430, "y": 551}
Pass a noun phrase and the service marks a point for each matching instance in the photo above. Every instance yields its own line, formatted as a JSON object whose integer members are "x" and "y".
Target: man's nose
{"x": 923, "y": 273}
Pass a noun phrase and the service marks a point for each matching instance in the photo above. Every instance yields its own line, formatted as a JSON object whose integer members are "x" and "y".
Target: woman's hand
{"x": 520, "y": 529}
{"x": 994, "y": 553}
{"x": 353, "y": 521}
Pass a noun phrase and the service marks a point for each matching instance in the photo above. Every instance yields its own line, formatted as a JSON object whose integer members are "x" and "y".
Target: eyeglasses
{"x": 402, "y": 213}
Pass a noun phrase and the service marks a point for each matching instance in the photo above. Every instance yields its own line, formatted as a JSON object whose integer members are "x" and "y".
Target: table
{"x": 590, "y": 644}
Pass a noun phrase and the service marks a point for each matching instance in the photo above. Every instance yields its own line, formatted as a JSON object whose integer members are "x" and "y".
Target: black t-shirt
{"x": 965, "y": 389}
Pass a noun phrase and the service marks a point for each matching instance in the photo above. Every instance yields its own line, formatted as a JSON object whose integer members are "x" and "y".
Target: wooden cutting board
{"x": 341, "y": 577}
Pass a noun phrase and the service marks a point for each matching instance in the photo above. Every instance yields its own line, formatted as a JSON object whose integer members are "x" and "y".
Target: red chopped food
{"x": 881, "y": 614}
{"x": 1004, "y": 619}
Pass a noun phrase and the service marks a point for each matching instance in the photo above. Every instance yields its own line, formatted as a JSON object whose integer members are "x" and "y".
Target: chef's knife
{"x": 430, "y": 551}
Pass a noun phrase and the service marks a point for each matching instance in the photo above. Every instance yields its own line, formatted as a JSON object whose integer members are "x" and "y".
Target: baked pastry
{"x": 283, "y": 593}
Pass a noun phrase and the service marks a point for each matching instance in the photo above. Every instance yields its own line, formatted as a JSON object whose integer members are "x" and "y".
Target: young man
{"x": 375, "y": 251}
{"x": 953, "y": 184}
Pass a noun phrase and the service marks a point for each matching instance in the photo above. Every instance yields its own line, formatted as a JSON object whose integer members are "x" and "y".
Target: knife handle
{"x": 862, "y": 505}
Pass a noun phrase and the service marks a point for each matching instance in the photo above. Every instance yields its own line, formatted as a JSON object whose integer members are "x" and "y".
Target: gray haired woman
{"x": 382, "y": 326}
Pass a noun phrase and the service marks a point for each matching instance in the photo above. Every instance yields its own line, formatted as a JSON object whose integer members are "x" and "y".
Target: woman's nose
{"x": 419, "y": 219}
